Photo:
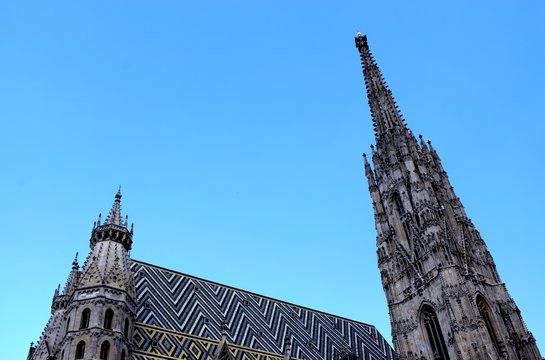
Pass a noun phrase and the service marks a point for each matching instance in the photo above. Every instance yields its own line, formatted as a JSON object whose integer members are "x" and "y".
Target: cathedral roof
{"x": 179, "y": 313}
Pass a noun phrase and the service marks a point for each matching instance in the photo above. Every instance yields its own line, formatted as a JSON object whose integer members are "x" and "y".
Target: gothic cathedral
{"x": 444, "y": 293}
{"x": 445, "y": 297}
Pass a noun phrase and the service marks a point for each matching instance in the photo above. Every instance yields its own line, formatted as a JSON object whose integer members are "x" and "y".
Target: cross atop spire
{"x": 386, "y": 115}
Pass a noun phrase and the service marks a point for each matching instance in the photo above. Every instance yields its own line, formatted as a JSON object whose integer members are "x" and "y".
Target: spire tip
{"x": 361, "y": 40}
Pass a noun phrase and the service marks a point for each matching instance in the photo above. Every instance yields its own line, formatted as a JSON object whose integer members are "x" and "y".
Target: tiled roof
{"x": 180, "y": 317}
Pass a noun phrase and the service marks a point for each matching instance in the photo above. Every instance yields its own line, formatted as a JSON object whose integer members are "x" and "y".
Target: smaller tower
{"x": 94, "y": 315}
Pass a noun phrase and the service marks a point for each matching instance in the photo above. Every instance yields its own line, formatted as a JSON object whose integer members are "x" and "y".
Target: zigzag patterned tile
{"x": 188, "y": 305}
{"x": 154, "y": 342}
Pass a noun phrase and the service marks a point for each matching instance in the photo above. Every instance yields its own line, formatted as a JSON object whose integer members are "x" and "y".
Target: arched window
{"x": 434, "y": 334}
{"x": 126, "y": 328}
{"x": 122, "y": 355}
{"x": 486, "y": 314}
{"x": 80, "y": 350}
{"x": 104, "y": 350}
{"x": 108, "y": 319}
{"x": 85, "y": 317}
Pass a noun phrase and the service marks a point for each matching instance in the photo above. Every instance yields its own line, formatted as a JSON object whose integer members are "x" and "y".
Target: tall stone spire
{"x": 445, "y": 296}
{"x": 386, "y": 115}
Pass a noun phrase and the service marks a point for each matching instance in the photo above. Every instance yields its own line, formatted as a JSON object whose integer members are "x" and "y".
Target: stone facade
{"x": 445, "y": 297}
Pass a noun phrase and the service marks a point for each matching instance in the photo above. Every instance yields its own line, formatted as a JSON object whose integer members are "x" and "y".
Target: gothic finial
{"x": 287, "y": 348}
{"x": 365, "y": 161}
{"x": 114, "y": 217}
{"x": 287, "y": 340}
{"x": 224, "y": 328}
{"x": 75, "y": 264}
{"x": 368, "y": 171}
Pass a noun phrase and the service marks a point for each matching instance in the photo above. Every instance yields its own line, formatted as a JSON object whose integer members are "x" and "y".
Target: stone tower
{"x": 445, "y": 297}
{"x": 93, "y": 317}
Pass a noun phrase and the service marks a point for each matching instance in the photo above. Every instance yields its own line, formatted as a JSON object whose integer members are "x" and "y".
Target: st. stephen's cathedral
{"x": 445, "y": 296}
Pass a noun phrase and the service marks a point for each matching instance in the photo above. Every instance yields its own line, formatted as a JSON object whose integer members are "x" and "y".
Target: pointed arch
{"x": 85, "y": 317}
{"x": 108, "y": 319}
{"x": 432, "y": 331}
{"x": 104, "y": 350}
{"x": 122, "y": 355}
{"x": 486, "y": 313}
{"x": 126, "y": 328}
{"x": 80, "y": 350}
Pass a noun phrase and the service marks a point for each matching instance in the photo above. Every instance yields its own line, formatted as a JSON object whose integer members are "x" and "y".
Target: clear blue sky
{"x": 236, "y": 129}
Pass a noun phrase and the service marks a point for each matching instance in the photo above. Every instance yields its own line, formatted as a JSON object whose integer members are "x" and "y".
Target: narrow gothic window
{"x": 407, "y": 232}
{"x": 435, "y": 336}
{"x": 417, "y": 219}
{"x": 419, "y": 267}
{"x": 104, "y": 350}
{"x": 122, "y": 355}
{"x": 486, "y": 314}
{"x": 398, "y": 205}
{"x": 85, "y": 316}
{"x": 80, "y": 350}
{"x": 126, "y": 328}
{"x": 108, "y": 319}
{"x": 67, "y": 325}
